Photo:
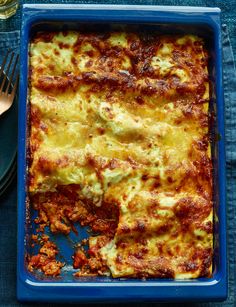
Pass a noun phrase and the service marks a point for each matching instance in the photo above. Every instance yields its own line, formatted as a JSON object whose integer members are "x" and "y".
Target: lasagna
{"x": 119, "y": 142}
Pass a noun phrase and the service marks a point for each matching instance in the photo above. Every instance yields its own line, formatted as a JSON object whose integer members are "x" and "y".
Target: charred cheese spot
{"x": 119, "y": 141}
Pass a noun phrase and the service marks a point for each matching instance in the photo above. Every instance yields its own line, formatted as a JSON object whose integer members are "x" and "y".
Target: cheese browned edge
{"x": 119, "y": 140}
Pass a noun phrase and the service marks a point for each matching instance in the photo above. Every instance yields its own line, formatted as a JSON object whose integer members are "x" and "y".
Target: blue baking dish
{"x": 33, "y": 286}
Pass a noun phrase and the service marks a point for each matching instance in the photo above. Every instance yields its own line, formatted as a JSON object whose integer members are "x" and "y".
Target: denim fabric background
{"x": 10, "y": 39}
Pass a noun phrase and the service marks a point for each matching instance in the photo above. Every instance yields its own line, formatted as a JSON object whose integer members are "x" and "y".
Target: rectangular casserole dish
{"x": 204, "y": 22}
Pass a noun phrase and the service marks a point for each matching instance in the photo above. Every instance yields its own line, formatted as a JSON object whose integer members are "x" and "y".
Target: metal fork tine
{"x": 12, "y": 73}
{"x": 8, "y": 68}
{"x": 15, "y": 87}
{"x": 3, "y": 63}
{"x": 7, "y": 96}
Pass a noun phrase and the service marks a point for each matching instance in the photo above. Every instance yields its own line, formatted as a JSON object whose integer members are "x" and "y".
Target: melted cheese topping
{"x": 125, "y": 120}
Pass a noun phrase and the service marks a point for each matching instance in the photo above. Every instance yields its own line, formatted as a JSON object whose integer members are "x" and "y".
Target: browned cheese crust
{"x": 119, "y": 141}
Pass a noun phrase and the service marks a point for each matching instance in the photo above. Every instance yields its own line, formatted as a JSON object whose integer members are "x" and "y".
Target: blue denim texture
{"x": 8, "y": 201}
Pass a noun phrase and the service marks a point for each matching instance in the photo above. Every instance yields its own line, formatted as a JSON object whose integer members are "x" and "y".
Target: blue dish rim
{"x": 214, "y": 288}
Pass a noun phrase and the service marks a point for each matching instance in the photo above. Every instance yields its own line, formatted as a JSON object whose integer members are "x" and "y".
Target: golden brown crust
{"x": 119, "y": 141}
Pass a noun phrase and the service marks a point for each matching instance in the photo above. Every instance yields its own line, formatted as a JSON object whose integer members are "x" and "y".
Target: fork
{"x": 7, "y": 90}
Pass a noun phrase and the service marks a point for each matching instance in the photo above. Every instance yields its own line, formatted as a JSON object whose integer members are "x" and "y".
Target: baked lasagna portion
{"x": 119, "y": 141}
